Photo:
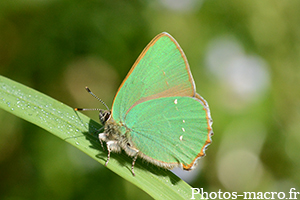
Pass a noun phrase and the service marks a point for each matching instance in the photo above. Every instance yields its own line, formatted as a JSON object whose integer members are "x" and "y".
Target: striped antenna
{"x": 98, "y": 109}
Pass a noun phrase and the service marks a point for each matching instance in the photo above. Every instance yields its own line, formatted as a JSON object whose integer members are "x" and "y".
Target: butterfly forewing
{"x": 160, "y": 71}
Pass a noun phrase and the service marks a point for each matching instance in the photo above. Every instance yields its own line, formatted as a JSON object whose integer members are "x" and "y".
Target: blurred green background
{"x": 244, "y": 56}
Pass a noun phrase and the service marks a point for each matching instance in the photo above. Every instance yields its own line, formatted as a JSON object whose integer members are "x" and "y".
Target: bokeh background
{"x": 245, "y": 59}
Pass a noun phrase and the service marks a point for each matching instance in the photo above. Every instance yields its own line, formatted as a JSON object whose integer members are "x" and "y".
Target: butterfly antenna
{"x": 89, "y": 91}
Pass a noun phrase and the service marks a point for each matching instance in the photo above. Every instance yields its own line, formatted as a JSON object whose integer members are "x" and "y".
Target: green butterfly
{"x": 156, "y": 114}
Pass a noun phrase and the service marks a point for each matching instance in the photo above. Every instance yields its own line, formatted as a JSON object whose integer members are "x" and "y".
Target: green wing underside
{"x": 157, "y": 102}
{"x": 160, "y": 71}
{"x": 171, "y": 129}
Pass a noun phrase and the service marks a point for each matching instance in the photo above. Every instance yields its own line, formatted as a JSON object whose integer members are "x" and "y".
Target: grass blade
{"x": 80, "y": 131}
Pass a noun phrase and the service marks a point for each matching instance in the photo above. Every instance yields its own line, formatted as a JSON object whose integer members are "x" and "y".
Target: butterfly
{"x": 156, "y": 114}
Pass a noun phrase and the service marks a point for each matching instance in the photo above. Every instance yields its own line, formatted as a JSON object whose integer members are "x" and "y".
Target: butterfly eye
{"x": 104, "y": 116}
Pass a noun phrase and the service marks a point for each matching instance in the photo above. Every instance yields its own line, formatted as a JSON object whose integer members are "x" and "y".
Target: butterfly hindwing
{"x": 170, "y": 129}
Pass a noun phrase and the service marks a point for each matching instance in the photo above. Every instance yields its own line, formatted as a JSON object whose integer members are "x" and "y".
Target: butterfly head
{"x": 104, "y": 115}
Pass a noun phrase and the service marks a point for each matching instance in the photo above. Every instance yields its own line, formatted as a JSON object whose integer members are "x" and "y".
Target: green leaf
{"x": 81, "y": 132}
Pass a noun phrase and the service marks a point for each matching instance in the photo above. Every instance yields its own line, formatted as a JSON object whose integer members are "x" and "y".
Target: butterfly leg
{"x": 129, "y": 148}
{"x": 133, "y": 162}
{"x": 108, "y": 155}
{"x": 102, "y": 137}
{"x": 111, "y": 146}
{"x": 101, "y": 142}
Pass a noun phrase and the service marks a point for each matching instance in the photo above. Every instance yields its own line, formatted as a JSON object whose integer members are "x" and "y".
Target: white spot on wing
{"x": 183, "y": 129}
{"x": 183, "y": 121}
{"x": 181, "y": 138}
{"x": 175, "y": 101}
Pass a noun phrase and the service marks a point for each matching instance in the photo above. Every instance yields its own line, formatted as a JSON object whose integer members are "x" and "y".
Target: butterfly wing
{"x": 157, "y": 101}
{"x": 160, "y": 71}
{"x": 171, "y": 130}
